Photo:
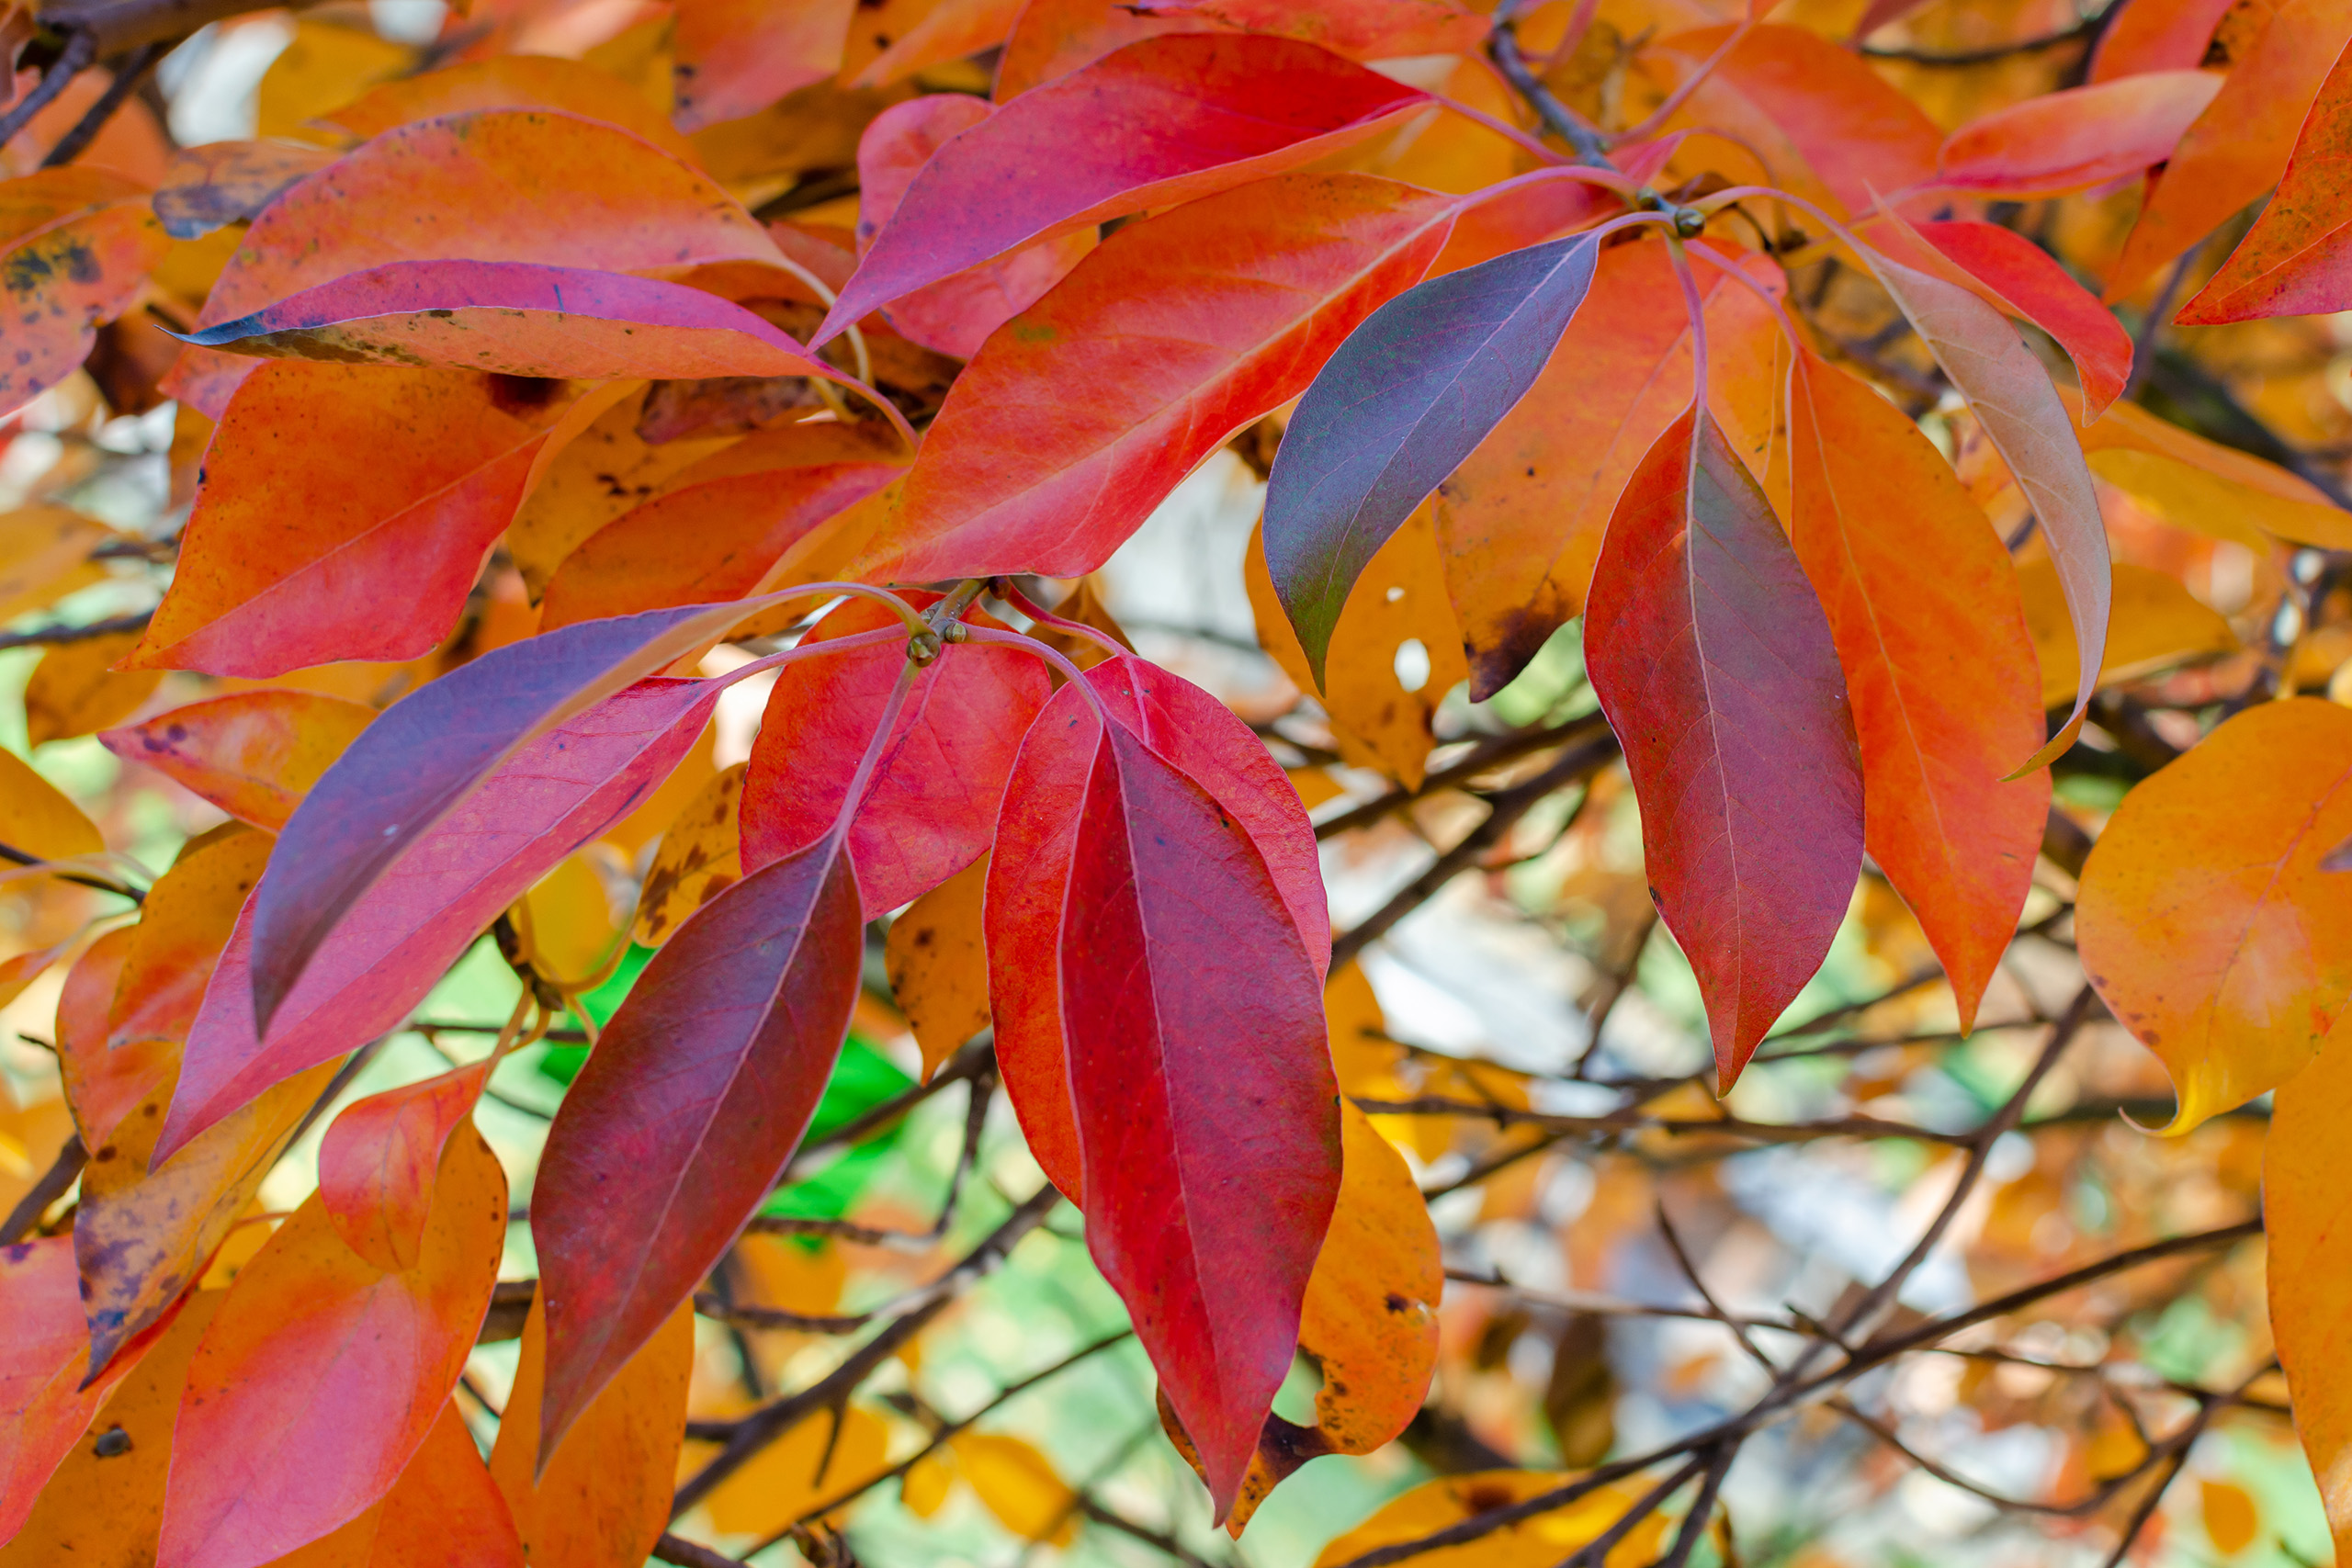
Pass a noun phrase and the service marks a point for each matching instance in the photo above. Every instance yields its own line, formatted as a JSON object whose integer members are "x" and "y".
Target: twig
{"x": 128, "y": 74}
{"x": 1703, "y": 1507}
{"x": 2087, "y": 28}
{"x": 1502, "y": 44}
{"x": 684, "y": 1553}
{"x": 81, "y": 49}
{"x": 2159, "y": 316}
{"x": 51, "y": 637}
{"x": 1484, "y": 757}
{"x": 51, "y": 1186}
{"x": 1595, "y": 1552}
{"x": 1169, "y": 1544}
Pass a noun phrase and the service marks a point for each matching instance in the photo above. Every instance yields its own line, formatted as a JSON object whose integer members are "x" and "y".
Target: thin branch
{"x": 2087, "y": 28}
{"x": 1484, "y": 757}
{"x": 52, "y": 637}
{"x": 1703, "y": 1507}
{"x": 684, "y": 1553}
{"x": 129, "y": 74}
{"x": 81, "y": 49}
{"x": 1590, "y": 146}
{"x": 51, "y": 1186}
{"x": 1169, "y": 1544}
{"x": 1595, "y": 1552}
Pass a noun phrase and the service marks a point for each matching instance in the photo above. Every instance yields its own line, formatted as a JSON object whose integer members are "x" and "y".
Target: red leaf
{"x": 736, "y": 57}
{"x": 323, "y": 1374}
{"x": 1029, "y": 868}
{"x": 2297, "y": 259}
{"x": 1715, "y": 666}
{"x": 688, "y": 1110}
{"x": 44, "y": 1349}
{"x": 2027, "y": 281}
{"x": 420, "y": 761}
{"x": 1159, "y": 122}
{"x": 517, "y": 318}
{"x": 404, "y": 927}
{"x": 956, "y": 314}
{"x": 2073, "y": 139}
{"x": 932, "y": 801}
{"x": 1184, "y": 328}
{"x": 1201, "y": 1075}
{"x": 443, "y": 1512}
{"x": 376, "y": 1161}
{"x": 1054, "y": 37}
{"x": 1360, "y": 29}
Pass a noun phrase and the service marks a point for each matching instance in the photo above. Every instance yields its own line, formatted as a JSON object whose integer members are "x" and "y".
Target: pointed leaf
{"x": 253, "y": 754}
{"x": 2198, "y": 484}
{"x": 1201, "y": 1079}
{"x": 103, "y": 1085}
{"x": 1030, "y": 865}
{"x": 1271, "y": 278}
{"x": 142, "y": 1237}
{"x": 2214, "y": 934}
{"x": 517, "y": 318}
{"x": 688, "y": 1110}
{"x": 45, "y": 1399}
{"x": 736, "y": 57}
{"x": 74, "y": 689}
{"x": 956, "y": 314}
{"x": 2073, "y": 139}
{"x": 489, "y": 185}
{"x": 2029, "y": 425}
{"x": 468, "y": 845}
{"x": 323, "y": 1374}
{"x": 604, "y": 1498}
{"x": 36, "y": 819}
{"x": 1716, "y": 668}
{"x": 2157, "y": 35}
{"x": 1824, "y": 123}
{"x": 931, "y": 803}
{"x": 409, "y": 476}
{"x": 1156, "y": 123}
{"x": 2240, "y": 146}
{"x": 376, "y": 1161}
{"x": 2297, "y": 259}
{"x": 2027, "y": 281}
{"x": 182, "y": 925}
{"x": 716, "y": 528}
{"x": 2306, "y": 1209}
{"x": 75, "y": 244}
{"x": 938, "y": 967}
{"x": 1931, "y": 636}
{"x": 1405, "y": 399}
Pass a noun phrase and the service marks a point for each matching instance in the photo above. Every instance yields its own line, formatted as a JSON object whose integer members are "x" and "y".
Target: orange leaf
{"x": 323, "y": 1374}
{"x": 1932, "y": 635}
{"x": 1539, "y": 1542}
{"x": 253, "y": 754}
{"x": 378, "y": 1160}
{"x": 2204, "y": 917}
{"x": 45, "y": 554}
{"x": 72, "y": 690}
{"x": 701, "y": 855}
{"x": 182, "y": 928}
{"x": 74, "y": 244}
{"x": 514, "y": 81}
{"x": 1054, "y": 37}
{"x": 2156, "y": 624}
{"x": 938, "y": 970}
{"x": 2076, "y": 138}
{"x": 2297, "y": 259}
{"x": 37, "y": 818}
{"x": 443, "y": 1512}
{"x": 104, "y": 1085}
{"x": 605, "y": 1496}
{"x": 952, "y": 29}
{"x": 736, "y": 57}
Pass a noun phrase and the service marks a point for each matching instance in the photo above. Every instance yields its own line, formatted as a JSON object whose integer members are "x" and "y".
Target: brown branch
{"x": 719, "y": 1309}
{"x": 1502, "y": 44}
{"x": 749, "y": 1434}
{"x": 51, "y": 637}
{"x": 129, "y": 74}
{"x": 2087, "y": 28}
{"x": 1485, "y": 756}
{"x": 1634, "y": 1121}
{"x": 81, "y": 49}
{"x": 115, "y": 26}
{"x": 1505, "y": 808}
{"x": 51, "y": 1186}
{"x": 1595, "y": 1552}
{"x": 682, "y": 1553}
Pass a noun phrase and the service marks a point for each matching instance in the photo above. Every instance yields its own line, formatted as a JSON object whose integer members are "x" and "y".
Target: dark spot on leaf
{"x": 522, "y": 394}
{"x": 112, "y": 1443}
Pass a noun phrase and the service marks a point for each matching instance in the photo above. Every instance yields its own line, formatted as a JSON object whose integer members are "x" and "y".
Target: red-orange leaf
{"x": 1714, "y": 663}
{"x": 2073, "y": 139}
{"x": 2297, "y": 259}
{"x": 2155, "y": 35}
{"x": 1360, "y": 29}
{"x": 443, "y": 1512}
{"x": 376, "y": 1161}
{"x": 736, "y": 57}
{"x": 253, "y": 754}
{"x": 1182, "y": 328}
{"x": 1157, "y": 123}
{"x": 1930, "y": 631}
{"x": 75, "y": 244}
{"x": 323, "y": 1374}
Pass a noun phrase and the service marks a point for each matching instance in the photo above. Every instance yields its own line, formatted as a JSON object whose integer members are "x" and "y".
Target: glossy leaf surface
{"x": 1271, "y": 278}
{"x": 1408, "y": 397}
{"x": 2217, "y": 938}
{"x": 1716, "y": 668}
{"x": 688, "y": 1110}
{"x": 1222, "y": 111}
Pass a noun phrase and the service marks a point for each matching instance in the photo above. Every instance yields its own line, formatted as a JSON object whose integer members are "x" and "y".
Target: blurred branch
{"x": 81, "y": 49}
{"x": 51, "y": 637}
{"x": 1484, "y": 757}
{"x": 128, "y": 72}
{"x": 47, "y": 1189}
{"x": 2087, "y": 28}
{"x": 114, "y": 26}
{"x": 682, "y": 1553}
{"x": 1590, "y": 146}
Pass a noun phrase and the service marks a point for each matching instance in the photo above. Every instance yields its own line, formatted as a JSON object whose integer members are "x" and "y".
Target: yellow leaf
{"x": 1019, "y": 1486}
{"x": 1395, "y": 655}
{"x": 939, "y": 970}
{"x": 795, "y": 1474}
{"x": 593, "y": 468}
{"x": 45, "y": 554}
{"x": 2210, "y": 489}
{"x": 2231, "y": 1520}
{"x": 573, "y": 928}
{"x": 325, "y": 68}
{"x": 924, "y": 1487}
{"x": 2154, "y": 622}
{"x": 2205, "y": 919}
{"x": 37, "y": 818}
{"x": 72, "y": 690}
{"x": 671, "y": 797}
{"x": 1538, "y": 1542}
{"x": 701, "y": 856}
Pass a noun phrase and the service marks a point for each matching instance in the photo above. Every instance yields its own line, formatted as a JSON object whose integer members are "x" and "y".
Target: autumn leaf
{"x": 938, "y": 970}
{"x": 73, "y": 691}
{"x": 1274, "y": 275}
{"x": 513, "y": 81}
{"x": 1717, "y": 669}
{"x": 2292, "y": 261}
{"x": 229, "y": 182}
{"x": 2216, "y": 937}
{"x": 735, "y": 59}
{"x": 253, "y": 754}
{"x": 1530, "y": 1543}
{"x": 699, "y": 858}
{"x": 2077, "y": 139}
{"x": 1360, "y": 29}
{"x": 1206, "y": 99}
{"x": 74, "y": 244}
